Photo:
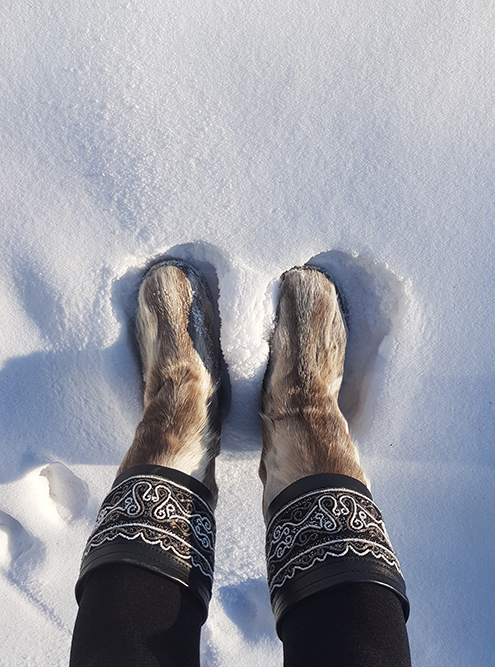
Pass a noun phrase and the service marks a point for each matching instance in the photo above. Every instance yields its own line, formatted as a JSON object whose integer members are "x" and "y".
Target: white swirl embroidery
{"x": 161, "y": 513}
{"x": 326, "y": 523}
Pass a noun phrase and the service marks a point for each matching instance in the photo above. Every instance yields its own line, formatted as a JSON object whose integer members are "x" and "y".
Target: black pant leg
{"x": 129, "y": 616}
{"x": 353, "y": 625}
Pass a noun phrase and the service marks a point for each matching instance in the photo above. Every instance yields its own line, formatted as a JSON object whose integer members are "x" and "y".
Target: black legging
{"x": 132, "y": 617}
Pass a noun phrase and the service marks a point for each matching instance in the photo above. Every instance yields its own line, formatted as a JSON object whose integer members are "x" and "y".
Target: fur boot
{"x": 304, "y": 431}
{"x": 180, "y": 426}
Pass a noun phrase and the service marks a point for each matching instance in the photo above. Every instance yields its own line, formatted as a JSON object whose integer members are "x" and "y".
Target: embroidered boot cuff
{"x": 159, "y": 519}
{"x": 324, "y": 531}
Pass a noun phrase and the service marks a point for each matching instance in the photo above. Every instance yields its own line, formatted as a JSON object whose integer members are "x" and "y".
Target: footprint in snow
{"x": 15, "y": 541}
{"x": 69, "y": 493}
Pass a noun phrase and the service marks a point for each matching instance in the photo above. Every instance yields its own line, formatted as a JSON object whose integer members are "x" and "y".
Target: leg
{"x": 354, "y": 625}
{"x": 335, "y": 583}
{"x": 147, "y": 569}
{"x": 132, "y": 616}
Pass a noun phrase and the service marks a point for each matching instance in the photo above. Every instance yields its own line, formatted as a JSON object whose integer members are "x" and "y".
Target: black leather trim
{"x": 147, "y": 558}
{"x": 329, "y": 575}
{"x": 325, "y": 480}
{"x": 168, "y": 473}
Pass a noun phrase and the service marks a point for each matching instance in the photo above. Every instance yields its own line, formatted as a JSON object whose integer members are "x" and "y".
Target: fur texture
{"x": 304, "y": 431}
{"x": 180, "y": 427}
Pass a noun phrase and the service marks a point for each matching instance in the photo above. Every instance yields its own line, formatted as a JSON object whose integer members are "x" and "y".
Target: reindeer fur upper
{"x": 180, "y": 427}
{"x": 304, "y": 431}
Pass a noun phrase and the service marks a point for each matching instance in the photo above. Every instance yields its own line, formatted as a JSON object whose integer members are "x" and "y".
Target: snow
{"x": 249, "y": 137}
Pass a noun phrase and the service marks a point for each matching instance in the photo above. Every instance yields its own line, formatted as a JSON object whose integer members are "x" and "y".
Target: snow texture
{"x": 249, "y": 137}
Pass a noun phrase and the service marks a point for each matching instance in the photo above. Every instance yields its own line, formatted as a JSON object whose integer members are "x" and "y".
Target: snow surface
{"x": 250, "y": 136}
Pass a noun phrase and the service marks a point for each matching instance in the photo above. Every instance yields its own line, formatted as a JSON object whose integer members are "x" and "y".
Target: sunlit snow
{"x": 249, "y": 137}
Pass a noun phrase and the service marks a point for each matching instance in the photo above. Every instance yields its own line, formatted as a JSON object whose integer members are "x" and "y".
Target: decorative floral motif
{"x": 322, "y": 524}
{"x": 162, "y": 513}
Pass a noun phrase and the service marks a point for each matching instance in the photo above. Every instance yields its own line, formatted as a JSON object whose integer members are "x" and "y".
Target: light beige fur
{"x": 180, "y": 426}
{"x": 303, "y": 429}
